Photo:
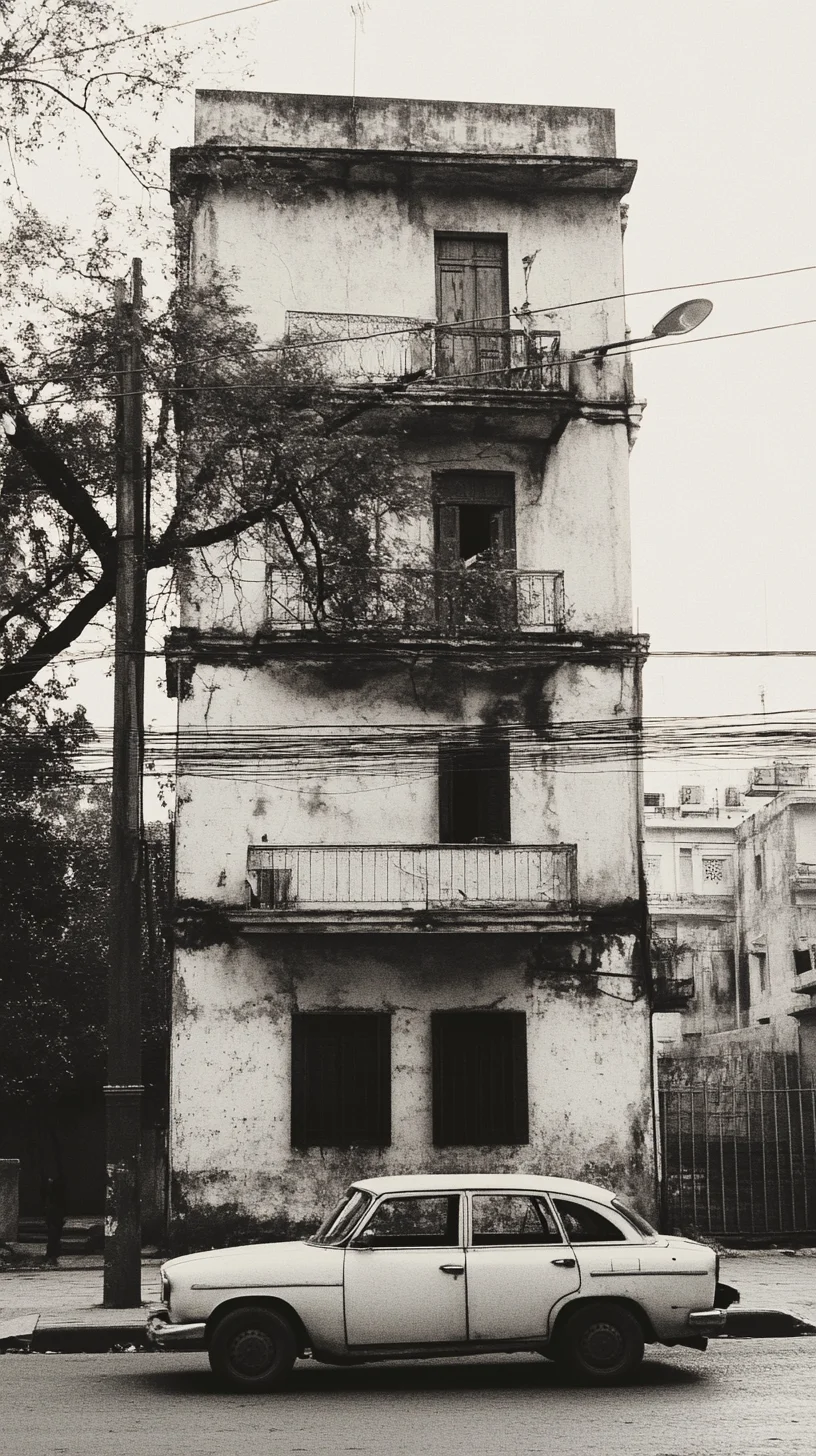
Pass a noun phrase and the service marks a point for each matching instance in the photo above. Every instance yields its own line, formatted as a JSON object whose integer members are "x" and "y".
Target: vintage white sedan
{"x": 411, "y": 1267}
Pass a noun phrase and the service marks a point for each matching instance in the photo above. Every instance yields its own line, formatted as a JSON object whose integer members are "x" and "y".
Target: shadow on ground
{"x": 314, "y": 1380}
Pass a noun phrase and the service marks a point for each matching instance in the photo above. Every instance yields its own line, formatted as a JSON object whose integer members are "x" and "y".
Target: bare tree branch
{"x": 18, "y": 674}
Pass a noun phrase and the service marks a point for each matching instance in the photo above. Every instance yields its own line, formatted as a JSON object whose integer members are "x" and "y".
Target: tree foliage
{"x": 63, "y": 61}
{"x": 250, "y": 448}
{"x": 54, "y": 873}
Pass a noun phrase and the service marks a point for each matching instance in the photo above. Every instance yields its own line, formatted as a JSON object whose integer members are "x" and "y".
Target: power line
{"x": 426, "y": 326}
{"x": 151, "y": 30}
{"x": 237, "y": 387}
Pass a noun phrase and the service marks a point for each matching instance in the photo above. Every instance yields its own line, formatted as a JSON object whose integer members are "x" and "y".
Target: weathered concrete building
{"x": 690, "y": 861}
{"x": 732, "y": 900}
{"x": 439, "y": 968}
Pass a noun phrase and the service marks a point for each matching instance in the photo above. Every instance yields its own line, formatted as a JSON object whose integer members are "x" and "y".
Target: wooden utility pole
{"x": 123, "y": 1092}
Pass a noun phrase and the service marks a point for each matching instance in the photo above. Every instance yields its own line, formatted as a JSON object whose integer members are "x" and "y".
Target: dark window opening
{"x": 744, "y": 988}
{"x": 801, "y": 962}
{"x": 341, "y": 1079}
{"x": 479, "y": 531}
{"x": 413, "y": 1223}
{"x": 500, "y": 1219}
{"x": 474, "y": 793}
{"x": 479, "y": 1078}
{"x": 586, "y": 1225}
{"x": 758, "y": 871}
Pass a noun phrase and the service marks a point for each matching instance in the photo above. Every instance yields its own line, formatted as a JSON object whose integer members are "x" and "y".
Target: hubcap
{"x": 252, "y": 1353}
{"x": 602, "y": 1345}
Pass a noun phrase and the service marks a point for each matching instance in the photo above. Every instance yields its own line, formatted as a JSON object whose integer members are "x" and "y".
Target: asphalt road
{"x": 736, "y": 1400}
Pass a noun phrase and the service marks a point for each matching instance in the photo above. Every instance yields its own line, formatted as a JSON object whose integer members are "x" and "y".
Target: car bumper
{"x": 166, "y": 1336}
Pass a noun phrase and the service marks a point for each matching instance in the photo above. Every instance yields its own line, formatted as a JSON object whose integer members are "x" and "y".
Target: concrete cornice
{"x": 196, "y": 169}
{"x": 185, "y": 647}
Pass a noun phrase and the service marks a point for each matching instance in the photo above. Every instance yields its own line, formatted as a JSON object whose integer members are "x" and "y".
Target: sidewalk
{"x": 61, "y": 1309}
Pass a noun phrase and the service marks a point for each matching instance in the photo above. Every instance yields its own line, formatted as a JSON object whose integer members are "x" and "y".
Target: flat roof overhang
{"x": 193, "y": 169}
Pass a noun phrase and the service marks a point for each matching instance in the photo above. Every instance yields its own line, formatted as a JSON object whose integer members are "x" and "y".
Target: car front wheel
{"x": 601, "y": 1344}
{"x": 252, "y": 1349}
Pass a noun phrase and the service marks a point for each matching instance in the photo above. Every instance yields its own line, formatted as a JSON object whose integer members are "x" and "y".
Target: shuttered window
{"x": 479, "y": 1078}
{"x": 341, "y": 1079}
{"x": 472, "y": 298}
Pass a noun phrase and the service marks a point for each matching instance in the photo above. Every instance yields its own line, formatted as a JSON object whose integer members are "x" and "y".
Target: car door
{"x": 404, "y": 1274}
{"x": 518, "y": 1266}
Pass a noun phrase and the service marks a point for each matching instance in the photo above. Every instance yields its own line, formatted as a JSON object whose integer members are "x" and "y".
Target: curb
{"x": 73, "y": 1337}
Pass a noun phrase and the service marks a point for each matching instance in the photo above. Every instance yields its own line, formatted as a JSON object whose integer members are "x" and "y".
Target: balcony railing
{"x": 479, "y": 600}
{"x": 355, "y": 348}
{"x": 411, "y": 877}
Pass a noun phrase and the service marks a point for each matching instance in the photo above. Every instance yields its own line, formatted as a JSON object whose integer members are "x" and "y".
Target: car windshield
{"x": 343, "y": 1218}
{"x": 640, "y": 1223}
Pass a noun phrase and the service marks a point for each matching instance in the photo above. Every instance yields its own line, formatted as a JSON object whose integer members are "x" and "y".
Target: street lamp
{"x": 679, "y": 320}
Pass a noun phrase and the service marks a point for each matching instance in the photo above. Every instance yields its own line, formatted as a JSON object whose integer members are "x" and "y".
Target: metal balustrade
{"x": 410, "y": 877}
{"x": 480, "y": 600}
{"x": 356, "y": 348}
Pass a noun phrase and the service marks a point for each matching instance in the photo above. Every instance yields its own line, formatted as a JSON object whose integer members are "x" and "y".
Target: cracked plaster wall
{"x": 592, "y": 806}
{"x": 587, "y": 1035}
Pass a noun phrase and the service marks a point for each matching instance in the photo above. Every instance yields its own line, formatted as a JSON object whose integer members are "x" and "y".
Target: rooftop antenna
{"x": 359, "y": 9}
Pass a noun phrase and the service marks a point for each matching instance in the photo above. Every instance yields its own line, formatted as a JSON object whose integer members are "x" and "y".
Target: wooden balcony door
{"x": 472, "y": 297}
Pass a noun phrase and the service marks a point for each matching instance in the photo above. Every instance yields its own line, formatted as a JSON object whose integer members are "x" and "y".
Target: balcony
{"x": 365, "y": 886}
{"x": 476, "y": 601}
{"x": 359, "y": 349}
{"x": 672, "y": 993}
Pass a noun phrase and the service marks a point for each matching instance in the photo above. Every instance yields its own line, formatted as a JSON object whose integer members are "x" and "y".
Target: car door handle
{"x": 564, "y": 1263}
{"x": 453, "y": 1269}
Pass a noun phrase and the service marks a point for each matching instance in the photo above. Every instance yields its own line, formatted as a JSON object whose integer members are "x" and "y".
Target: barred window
{"x": 716, "y": 873}
{"x": 479, "y": 1078}
{"x": 341, "y": 1079}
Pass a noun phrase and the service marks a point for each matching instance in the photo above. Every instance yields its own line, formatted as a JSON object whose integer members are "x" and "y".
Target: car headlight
{"x": 165, "y": 1288}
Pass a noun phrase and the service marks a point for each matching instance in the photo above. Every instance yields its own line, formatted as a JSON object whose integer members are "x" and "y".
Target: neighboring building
{"x": 777, "y": 927}
{"x": 445, "y": 970}
{"x": 690, "y": 862}
{"x": 732, "y": 899}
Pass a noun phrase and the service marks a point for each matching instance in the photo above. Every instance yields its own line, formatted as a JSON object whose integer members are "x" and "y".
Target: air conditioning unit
{"x": 654, "y": 801}
{"x": 691, "y": 795}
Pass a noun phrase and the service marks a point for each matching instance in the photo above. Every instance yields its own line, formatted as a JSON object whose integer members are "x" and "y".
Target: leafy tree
{"x": 54, "y": 870}
{"x": 83, "y": 61}
{"x": 251, "y": 450}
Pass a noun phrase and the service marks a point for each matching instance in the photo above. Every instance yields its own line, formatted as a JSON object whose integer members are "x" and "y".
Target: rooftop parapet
{"x": 374, "y": 123}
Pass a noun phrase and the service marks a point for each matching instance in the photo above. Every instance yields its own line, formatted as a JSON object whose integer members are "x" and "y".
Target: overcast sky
{"x": 716, "y": 100}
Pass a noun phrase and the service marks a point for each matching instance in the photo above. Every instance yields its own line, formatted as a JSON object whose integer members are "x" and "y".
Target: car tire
{"x": 600, "y": 1344}
{"x": 252, "y": 1349}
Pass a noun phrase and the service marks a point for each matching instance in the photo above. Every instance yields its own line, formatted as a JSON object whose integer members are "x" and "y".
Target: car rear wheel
{"x": 601, "y": 1344}
{"x": 252, "y": 1349}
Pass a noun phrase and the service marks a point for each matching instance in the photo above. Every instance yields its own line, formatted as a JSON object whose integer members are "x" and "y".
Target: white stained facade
{"x": 418, "y": 977}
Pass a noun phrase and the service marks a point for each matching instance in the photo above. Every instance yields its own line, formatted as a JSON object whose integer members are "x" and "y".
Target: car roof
{"x": 495, "y": 1182}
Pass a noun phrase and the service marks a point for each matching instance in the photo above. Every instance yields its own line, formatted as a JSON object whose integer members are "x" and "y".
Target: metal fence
{"x": 739, "y": 1156}
{"x": 483, "y": 600}
{"x": 357, "y": 348}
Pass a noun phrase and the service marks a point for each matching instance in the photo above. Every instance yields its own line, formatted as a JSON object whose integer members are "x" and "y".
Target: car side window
{"x": 510, "y": 1218}
{"x": 413, "y": 1223}
{"x": 587, "y": 1225}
